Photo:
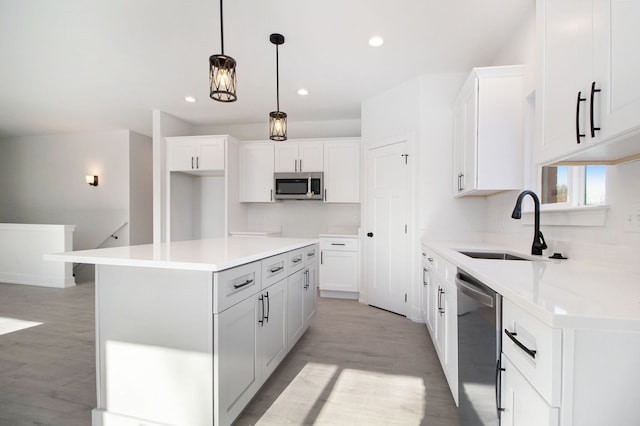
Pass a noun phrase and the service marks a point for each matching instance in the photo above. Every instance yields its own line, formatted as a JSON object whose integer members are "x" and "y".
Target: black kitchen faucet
{"x": 538, "y": 240}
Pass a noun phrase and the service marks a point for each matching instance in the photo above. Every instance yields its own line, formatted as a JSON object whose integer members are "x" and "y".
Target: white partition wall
{"x": 22, "y": 248}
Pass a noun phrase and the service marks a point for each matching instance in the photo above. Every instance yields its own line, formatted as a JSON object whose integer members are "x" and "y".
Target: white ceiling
{"x": 78, "y": 65}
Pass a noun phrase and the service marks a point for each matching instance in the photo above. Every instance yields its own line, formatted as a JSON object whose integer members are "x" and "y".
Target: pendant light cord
{"x": 277, "y": 81}
{"x": 221, "y": 30}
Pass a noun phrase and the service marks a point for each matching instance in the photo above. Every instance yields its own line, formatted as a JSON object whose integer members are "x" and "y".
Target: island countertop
{"x": 215, "y": 254}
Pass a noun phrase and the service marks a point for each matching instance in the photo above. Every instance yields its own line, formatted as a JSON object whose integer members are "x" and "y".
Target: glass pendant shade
{"x": 278, "y": 126}
{"x": 222, "y": 78}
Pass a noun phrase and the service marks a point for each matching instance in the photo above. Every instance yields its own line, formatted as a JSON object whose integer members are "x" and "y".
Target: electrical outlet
{"x": 632, "y": 218}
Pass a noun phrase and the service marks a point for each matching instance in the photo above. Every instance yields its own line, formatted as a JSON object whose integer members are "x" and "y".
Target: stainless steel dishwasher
{"x": 479, "y": 347}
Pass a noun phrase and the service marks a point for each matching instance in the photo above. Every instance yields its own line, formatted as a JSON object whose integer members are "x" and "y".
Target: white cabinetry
{"x": 256, "y": 171}
{"x": 202, "y": 202}
{"x": 441, "y": 315}
{"x": 589, "y": 90}
{"x": 427, "y": 292}
{"x": 339, "y": 267}
{"x": 299, "y": 157}
{"x": 195, "y": 153}
{"x": 488, "y": 131}
{"x": 567, "y": 377}
{"x": 300, "y": 293}
{"x": 342, "y": 171}
{"x": 521, "y": 404}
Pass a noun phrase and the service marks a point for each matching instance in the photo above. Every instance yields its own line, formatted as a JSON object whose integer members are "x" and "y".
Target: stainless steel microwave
{"x": 298, "y": 186}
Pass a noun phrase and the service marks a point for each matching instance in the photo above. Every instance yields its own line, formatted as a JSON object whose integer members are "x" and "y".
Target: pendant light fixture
{"x": 277, "y": 119}
{"x": 222, "y": 73}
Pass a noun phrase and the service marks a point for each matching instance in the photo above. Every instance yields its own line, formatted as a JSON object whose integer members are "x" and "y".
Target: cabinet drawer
{"x": 236, "y": 284}
{"x": 339, "y": 244}
{"x": 274, "y": 269}
{"x": 295, "y": 260}
{"x": 535, "y": 350}
{"x": 310, "y": 254}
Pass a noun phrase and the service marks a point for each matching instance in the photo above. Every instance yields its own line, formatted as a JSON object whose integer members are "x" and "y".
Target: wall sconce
{"x": 92, "y": 180}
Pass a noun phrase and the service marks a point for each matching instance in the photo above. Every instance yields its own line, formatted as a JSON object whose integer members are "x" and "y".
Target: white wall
{"x": 300, "y": 218}
{"x": 42, "y": 180}
{"x": 140, "y": 189}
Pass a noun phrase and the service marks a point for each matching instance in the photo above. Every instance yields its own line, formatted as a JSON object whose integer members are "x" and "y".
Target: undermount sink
{"x": 492, "y": 255}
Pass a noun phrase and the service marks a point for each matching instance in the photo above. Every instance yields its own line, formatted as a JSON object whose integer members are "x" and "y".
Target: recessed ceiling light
{"x": 303, "y": 92}
{"x": 376, "y": 41}
{"x": 190, "y": 99}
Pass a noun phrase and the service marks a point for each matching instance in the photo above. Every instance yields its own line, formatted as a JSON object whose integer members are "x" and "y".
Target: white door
{"x": 387, "y": 218}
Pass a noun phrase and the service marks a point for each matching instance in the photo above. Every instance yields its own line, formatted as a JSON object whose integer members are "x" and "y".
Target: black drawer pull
{"x": 512, "y": 336}
{"x": 297, "y": 259}
{"x": 246, "y": 283}
{"x": 338, "y": 244}
{"x": 277, "y": 269}
{"x": 311, "y": 253}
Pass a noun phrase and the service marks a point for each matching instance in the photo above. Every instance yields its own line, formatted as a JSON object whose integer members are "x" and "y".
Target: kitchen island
{"x": 187, "y": 332}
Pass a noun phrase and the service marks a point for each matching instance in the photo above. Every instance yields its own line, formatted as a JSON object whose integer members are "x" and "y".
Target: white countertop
{"x": 214, "y": 254}
{"x": 561, "y": 293}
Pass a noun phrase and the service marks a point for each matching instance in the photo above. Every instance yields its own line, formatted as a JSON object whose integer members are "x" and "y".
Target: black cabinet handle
{"x": 499, "y": 371}
{"x": 261, "y": 320}
{"x": 512, "y": 336}
{"x": 192, "y": 162}
{"x": 593, "y": 92}
{"x": 274, "y": 270}
{"x": 246, "y": 283}
{"x": 338, "y": 244}
{"x": 297, "y": 259}
{"x": 370, "y": 234}
{"x": 266, "y": 317}
{"x": 197, "y": 162}
{"x": 424, "y": 276}
{"x": 578, "y": 102}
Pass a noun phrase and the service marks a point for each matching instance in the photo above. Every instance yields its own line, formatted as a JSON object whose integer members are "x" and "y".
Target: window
{"x": 573, "y": 186}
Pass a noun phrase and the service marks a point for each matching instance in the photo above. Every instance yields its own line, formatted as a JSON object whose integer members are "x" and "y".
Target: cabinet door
{"x": 439, "y": 320}
{"x": 310, "y": 293}
{"x": 237, "y": 360}
{"x": 567, "y": 32}
{"x": 210, "y": 155}
{"x": 256, "y": 172}
{"x": 273, "y": 331}
{"x": 342, "y": 172}
{"x": 465, "y": 137}
{"x": 310, "y": 157}
{"x": 339, "y": 271}
{"x": 286, "y": 157}
{"x": 616, "y": 43}
{"x": 181, "y": 156}
{"x": 295, "y": 316}
{"x": 451, "y": 340}
{"x": 522, "y": 405}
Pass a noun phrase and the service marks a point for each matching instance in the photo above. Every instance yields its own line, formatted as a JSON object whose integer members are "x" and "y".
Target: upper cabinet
{"x": 298, "y": 157}
{"x": 338, "y": 158}
{"x": 256, "y": 171}
{"x": 589, "y": 89}
{"x": 342, "y": 171}
{"x": 488, "y": 132}
{"x": 194, "y": 154}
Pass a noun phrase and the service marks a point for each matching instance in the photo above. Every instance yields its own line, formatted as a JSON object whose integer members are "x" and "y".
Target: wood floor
{"x": 356, "y": 365}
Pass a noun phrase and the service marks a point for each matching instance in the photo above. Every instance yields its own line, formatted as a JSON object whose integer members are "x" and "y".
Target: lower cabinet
{"x": 440, "y": 310}
{"x": 520, "y": 403}
{"x": 301, "y": 300}
{"x": 253, "y": 336}
{"x": 339, "y": 267}
{"x": 237, "y": 356}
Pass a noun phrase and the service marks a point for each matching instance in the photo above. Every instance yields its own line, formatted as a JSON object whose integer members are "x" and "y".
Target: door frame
{"x": 413, "y": 290}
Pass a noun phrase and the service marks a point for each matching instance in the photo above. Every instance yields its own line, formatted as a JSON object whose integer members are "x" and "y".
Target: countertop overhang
{"x": 215, "y": 254}
{"x": 561, "y": 293}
